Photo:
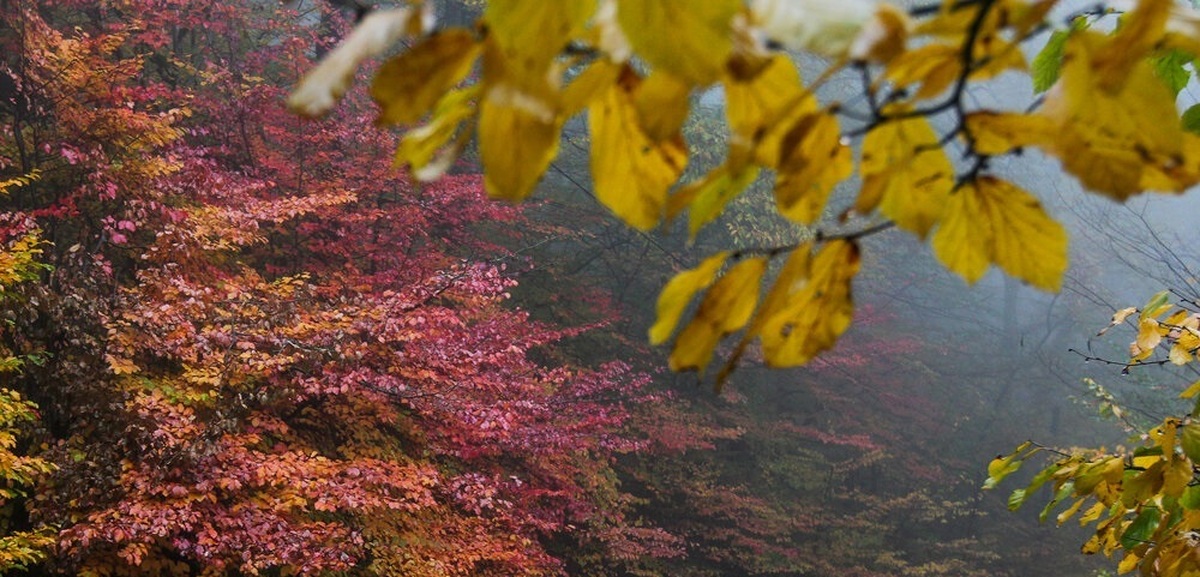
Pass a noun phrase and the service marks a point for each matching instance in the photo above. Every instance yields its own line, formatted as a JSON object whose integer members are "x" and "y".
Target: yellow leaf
{"x": 884, "y": 37}
{"x": 519, "y": 125}
{"x": 1070, "y": 511}
{"x": 518, "y": 137}
{"x": 120, "y": 366}
{"x": 731, "y": 301}
{"x": 688, "y": 39}
{"x": 694, "y": 348}
{"x": 815, "y": 308}
{"x": 760, "y": 97}
{"x": 679, "y": 291}
{"x": 1128, "y": 563}
{"x": 1192, "y": 390}
{"x": 996, "y": 55}
{"x": 591, "y": 84}
{"x": 992, "y": 221}
{"x": 1004, "y": 465}
{"x": 906, "y": 174}
{"x": 631, "y": 172}
{"x": 1117, "y": 135}
{"x": 726, "y": 308}
{"x": 422, "y": 148}
{"x": 707, "y": 197}
{"x": 1118, "y": 318}
{"x": 662, "y": 105}
{"x": 813, "y": 160}
{"x": 407, "y": 86}
{"x": 1024, "y": 16}
{"x": 1181, "y": 351}
{"x": 530, "y": 34}
{"x": 1140, "y": 33}
{"x": 952, "y": 21}
{"x": 322, "y": 86}
{"x": 1189, "y": 339}
{"x": 1164, "y": 436}
{"x": 793, "y": 276}
{"x": 934, "y": 66}
{"x": 938, "y": 66}
{"x": 999, "y": 133}
{"x": 1149, "y": 335}
{"x": 1092, "y": 513}
{"x": 1176, "y": 476}
{"x": 1176, "y": 317}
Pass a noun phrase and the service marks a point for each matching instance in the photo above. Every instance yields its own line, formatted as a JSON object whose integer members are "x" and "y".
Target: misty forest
{"x": 599, "y": 288}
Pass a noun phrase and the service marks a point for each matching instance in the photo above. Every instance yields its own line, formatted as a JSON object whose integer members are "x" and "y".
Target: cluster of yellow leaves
{"x": 1110, "y": 119}
{"x": 19, "y": 549}
{"x": 1144, "y": 503}
{"x": 805, "y": 311}
{"x": 1178, "y": 332}
{"x": 529, "y": 66}
{"x": 18, "y": 259}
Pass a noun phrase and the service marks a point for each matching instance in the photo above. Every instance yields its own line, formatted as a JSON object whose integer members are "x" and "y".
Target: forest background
{"x": 240, "y": 342}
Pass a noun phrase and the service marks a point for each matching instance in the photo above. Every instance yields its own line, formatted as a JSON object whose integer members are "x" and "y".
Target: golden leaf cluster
{"x": 1144, "y": 502}
{"x": 513, "y": 81}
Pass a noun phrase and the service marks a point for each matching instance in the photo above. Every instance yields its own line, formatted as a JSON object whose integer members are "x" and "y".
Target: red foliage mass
{"x": 273, "y": 351}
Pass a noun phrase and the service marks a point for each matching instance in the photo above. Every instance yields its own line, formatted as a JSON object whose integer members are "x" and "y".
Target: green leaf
{"x": 1170, "y": 68}
{"x": 1189, "y": 440}
{"x": 1141, "y": 529}
{"x": 1190, "y": 498}
{"x": 1017, "y": 499}
{"x": 1155, "y": 306}
{"x": 1063, "y": 493}
{"x": 1042, "y": 476}
{"x": 1048, "y": 62}
{"x": 1191, "y": 119}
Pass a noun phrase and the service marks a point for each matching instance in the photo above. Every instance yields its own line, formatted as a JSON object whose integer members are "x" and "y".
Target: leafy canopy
{"x": 1108, "y": 114}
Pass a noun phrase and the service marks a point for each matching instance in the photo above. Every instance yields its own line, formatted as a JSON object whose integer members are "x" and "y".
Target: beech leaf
{"x": 691, "y": 40}
{"x": 813, "y": 309}
{"x": 679, "y": 291}
{"x": 813, "y": 159}
{"x": 726, "y": 308}
{"x": 632, "y": 171}
{"x": 905, "y": 174}
{"x": 322, "y": 86}
{"x": 407, "y": 86}
{"x": 991, "y": 221}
